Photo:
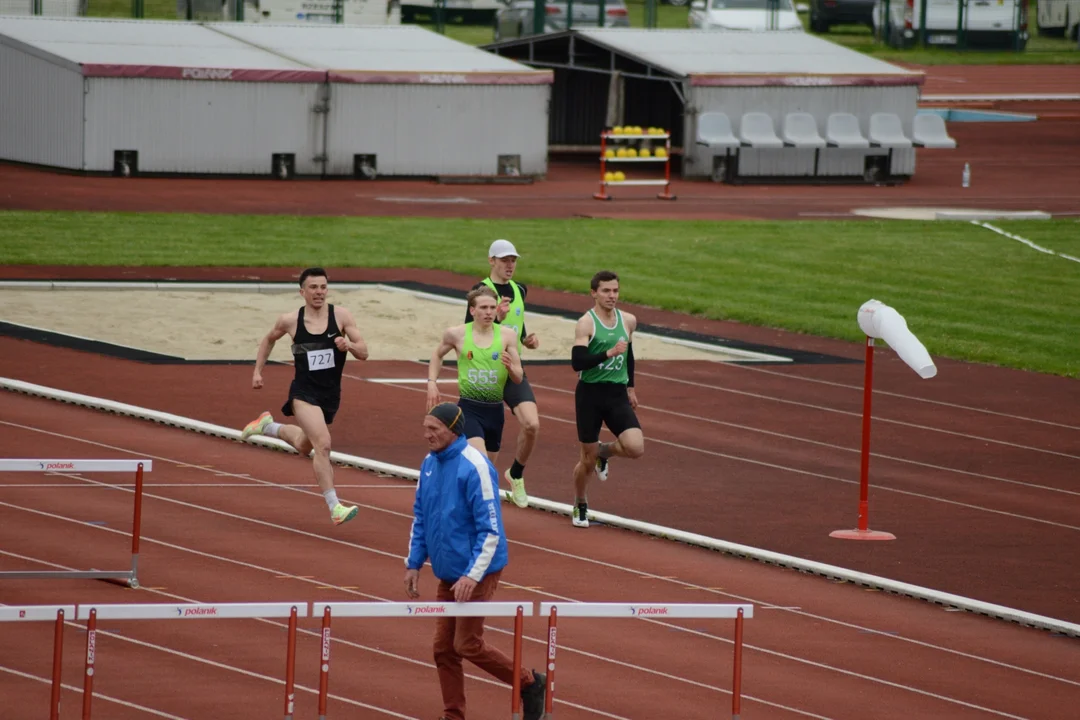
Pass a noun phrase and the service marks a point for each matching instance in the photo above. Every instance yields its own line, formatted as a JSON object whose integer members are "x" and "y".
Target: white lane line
{"x": 831, "y": 446}
{"x": 396, "y": 556}
{"x": 246, "y": 486}
{"x": 849, "y": 413}
{"x": 406, "y": 517}
{"x": 97, "y": 695}
{"x": 821, "y": 476}
{"x": 903, "y": 396}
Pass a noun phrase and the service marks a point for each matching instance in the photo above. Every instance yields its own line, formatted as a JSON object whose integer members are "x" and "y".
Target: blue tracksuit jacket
{"x": 457, "y": 520}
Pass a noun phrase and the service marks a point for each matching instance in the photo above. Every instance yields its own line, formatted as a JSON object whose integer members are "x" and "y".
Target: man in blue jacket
{"x": 457, "y": 524}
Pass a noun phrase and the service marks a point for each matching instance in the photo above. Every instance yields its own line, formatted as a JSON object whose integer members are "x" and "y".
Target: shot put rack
{"x": 609, "y": 137}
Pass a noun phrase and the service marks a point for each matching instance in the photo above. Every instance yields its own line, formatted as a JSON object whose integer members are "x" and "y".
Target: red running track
{"x": 225, "y": 522}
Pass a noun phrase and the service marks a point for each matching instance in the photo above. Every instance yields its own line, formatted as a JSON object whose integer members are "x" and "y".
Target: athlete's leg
{"x": 630, "y": 444}
{"x": 313, "y": 424}
{"x": 265, "y": 425}
{"x": 317, "y": 434}
{"x": 528, "y": 418}
{"x": 584, "y": 471}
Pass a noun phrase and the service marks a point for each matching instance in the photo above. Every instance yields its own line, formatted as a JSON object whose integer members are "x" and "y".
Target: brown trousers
{"x": 462, "y": 638}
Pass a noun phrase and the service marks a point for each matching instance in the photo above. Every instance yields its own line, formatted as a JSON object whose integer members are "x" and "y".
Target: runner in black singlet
{"x": 323, "y": 336}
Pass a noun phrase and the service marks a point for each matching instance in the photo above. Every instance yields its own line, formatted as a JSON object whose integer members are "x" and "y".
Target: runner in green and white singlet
{"x": 613, "y": 369}
{"x": 603, "y": 355}
{"x": 481, "y": 374}
{"x": 519, "y": 397}
{"x": 486, "y": 357}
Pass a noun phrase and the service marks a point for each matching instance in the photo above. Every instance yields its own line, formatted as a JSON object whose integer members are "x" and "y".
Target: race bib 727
{"x": 320, "y": 359}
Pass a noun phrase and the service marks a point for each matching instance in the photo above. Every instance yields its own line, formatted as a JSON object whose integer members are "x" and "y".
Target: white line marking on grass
{"x": 1025, "y": 241}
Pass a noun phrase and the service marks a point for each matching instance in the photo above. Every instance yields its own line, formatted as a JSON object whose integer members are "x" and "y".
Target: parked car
{"x": 986, "y": 23}
{"x": 515, "y": 17}
{"x": 743, "y": 15}
{"x": 826, "y": 13}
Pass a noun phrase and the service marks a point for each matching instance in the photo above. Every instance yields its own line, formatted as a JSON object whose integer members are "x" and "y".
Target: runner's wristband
{"x": 581, "y": 359}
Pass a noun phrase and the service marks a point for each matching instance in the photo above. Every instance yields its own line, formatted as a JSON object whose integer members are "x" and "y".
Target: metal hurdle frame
{"x": 131, "y": 577}
{"x": 193, "y": 611}
{"x": 56, "y": 613}
{"x": 646, "y": 611}
{"x": 516, "y": 610}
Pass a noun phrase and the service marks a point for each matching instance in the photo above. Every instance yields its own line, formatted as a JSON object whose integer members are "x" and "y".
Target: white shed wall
{"x": 184, "y": 126}
{"x": 41, "y": 111}
{"x": 777, "y": 101}
{"x": 439, "y": 129}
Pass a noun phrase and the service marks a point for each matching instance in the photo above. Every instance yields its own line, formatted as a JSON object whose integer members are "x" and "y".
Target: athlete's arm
{"x": 353, "y": 341}
{"x": 510, "y": 357}
{"x": 630, "y": 323}
{"x": 580, "y": 357}
{"x": 451, "y": 340}
{"x": 266, "y": 345}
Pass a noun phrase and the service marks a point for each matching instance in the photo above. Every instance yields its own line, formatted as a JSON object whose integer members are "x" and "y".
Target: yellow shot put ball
{"x": 661, "y": 152}
{"x": 609, "y": 153}
{"x": 644, "y": 152}
{"x": 621, "y": 152}
{"x": 620, "y": 176}
{"x": 617, "y": 130}
{"x": 609, "y": 176}
{"x": 631, "y": 152}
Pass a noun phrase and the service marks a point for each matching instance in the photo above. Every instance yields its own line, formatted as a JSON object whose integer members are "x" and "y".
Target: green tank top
{"x": 612, "y": 370}
{"x": 481, "y": 374}
{"x": 515, "y": 316}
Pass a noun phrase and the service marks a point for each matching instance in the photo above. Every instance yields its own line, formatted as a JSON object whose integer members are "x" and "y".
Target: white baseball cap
{"x": 502, "y": 248}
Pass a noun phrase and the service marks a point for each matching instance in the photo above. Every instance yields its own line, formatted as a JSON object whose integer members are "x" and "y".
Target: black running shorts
{"x": 602, "y": 403}
{"x": 327, "y": 401}
{"x": 484, "y": 420}
{"x": 516, "y": 393}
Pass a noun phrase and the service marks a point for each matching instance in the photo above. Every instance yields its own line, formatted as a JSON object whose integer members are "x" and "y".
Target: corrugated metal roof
{"x": 139, "y": 42}
{"x": 712, "y": 52}
{"x": 402, "y": 48}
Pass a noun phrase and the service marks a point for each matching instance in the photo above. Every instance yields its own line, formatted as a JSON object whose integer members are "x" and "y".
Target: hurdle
{"x": 192, "y": 611}
{"x": 131, "y": 577}
{"x": 516, "y": 610}
{"x": 650, "y": 611}
{"x": 38, "y": 613}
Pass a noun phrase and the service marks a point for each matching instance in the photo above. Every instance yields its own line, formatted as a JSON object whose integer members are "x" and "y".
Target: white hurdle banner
{"x": 646, "y": 611}
{"x": 161, "y": 611}
{"x": 48, "y": 465}
{"x": 517, "y": 610}
{"x": 55, "y": 613}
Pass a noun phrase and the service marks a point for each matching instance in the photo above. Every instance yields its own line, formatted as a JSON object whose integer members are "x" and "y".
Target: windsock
{"x": 878, "y": 320}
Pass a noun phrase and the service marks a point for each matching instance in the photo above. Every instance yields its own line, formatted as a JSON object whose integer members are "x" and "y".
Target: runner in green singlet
{"x": 603, "y": 355}
{"x": 487, "y": 358}
{"x": 503, "y": 258}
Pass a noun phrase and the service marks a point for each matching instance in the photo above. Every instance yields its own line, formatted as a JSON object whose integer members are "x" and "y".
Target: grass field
{"x": 966, "y": 292}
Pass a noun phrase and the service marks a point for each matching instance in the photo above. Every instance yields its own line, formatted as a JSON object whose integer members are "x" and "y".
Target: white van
{"x": 353, "y": 12}
{"x": 470, "y": 12}
{"x": 1059, "y": 17}
{"x": 1000, "y": 24}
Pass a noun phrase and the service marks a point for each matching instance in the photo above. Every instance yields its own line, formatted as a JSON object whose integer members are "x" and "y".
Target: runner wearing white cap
{"x": 519, "y": 397}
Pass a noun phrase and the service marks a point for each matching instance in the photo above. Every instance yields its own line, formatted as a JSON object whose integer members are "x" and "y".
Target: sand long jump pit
{"x": 224, "y": 322}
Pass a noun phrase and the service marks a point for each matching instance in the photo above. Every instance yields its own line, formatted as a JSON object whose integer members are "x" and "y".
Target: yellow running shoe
{"x": 343, "y": 513}
{"x": 517, "y": 490}
{"x": 257, "y": 426}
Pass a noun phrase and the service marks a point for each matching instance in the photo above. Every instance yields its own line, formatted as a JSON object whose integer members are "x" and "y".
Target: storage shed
{"x": 672, "y": 78}
{"x": 231, "y": 98}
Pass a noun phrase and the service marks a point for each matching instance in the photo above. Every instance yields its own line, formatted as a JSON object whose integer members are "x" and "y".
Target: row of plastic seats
{"x": 841, "y": 130}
